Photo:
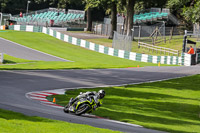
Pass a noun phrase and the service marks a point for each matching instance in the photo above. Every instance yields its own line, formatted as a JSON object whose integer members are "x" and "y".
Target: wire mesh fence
{"x": 122, "y": 42}
{"x": 104, "y": 28}
{"x": 154, "y": 34}
{"x": 4, "y": 17}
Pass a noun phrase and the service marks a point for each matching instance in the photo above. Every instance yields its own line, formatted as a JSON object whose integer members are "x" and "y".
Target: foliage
{"x": 192, "y": 14}
{"x": 91, "y": 3}
{"x": 139, "y": 6}
{"x": 188, "y": 10}
{"x": 3, "y": 4}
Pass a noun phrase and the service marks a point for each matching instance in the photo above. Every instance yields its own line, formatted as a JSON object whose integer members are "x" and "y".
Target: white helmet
{"x": 101, "y": 94}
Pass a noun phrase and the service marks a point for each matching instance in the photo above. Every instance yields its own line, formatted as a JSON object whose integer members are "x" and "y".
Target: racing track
{"x": 15, "y": 84}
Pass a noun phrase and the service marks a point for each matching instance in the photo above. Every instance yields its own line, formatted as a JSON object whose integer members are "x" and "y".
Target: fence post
{"x": 96, "y": 27}
{"x": 164, "y": 32}
{"x": 171, "y": 34}
{"x": 106, "y": 29}
{"x": 101, "y": 28}
{"x": 139, "y": 33}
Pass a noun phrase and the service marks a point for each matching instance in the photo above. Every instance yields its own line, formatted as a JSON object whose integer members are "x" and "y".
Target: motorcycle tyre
{"x": 66, "y": 109}
{"x": 82, "y": 111}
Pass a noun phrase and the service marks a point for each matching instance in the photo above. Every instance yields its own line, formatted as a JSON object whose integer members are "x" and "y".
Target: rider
{"x": 97, "y": 96}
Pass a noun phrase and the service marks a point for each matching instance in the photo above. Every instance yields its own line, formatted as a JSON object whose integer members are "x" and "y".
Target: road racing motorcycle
{"x": 81, "y": 106}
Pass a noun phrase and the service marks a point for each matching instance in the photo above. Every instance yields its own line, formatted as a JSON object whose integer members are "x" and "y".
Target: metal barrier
{"x": 1, "y": 58}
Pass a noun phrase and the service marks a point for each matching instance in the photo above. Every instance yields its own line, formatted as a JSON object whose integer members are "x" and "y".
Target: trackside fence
{"x": 158, "y": 49}
{"x": 185, "y": 59}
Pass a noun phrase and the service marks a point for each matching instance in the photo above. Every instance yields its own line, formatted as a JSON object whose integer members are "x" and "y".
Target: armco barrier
{"x": 171, "y": 60}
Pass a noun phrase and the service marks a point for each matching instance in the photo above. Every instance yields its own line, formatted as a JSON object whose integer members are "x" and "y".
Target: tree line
{"x": 186, "y": 10}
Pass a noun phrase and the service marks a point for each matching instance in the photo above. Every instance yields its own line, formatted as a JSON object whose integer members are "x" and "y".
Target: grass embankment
{"x": 172, "y": 105}
{"x": 83, "y": 58}
{"x": 11, "y": 122}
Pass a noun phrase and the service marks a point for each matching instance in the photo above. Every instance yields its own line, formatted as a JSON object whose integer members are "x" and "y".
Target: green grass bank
{"x": 172, "y": 105}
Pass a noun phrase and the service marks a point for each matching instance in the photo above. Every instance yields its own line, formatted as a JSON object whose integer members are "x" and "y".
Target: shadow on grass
{"x": 152, "y": 102}
{"x": 160, "y": 108}
{"x": 148, "y": 120}
{"x": 8, "y": 62}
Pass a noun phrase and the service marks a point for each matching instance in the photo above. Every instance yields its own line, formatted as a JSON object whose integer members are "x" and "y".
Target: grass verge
{"x": 12, "y": 122}
{"x": 172, "y": 105}
{"x": 13, "y": 60}
{"x": 83, "y": 58}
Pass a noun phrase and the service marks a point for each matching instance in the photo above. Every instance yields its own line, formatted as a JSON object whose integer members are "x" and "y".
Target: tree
{"x": 3, "y": 5}
{"x": 89, "y": 5}
{"x": 191, "y": 13}
{"x": 187, "y": 10}
{"x": 130, "y": 13}
{"x": 113, "y": 18}
{"x": 110, "y": 7}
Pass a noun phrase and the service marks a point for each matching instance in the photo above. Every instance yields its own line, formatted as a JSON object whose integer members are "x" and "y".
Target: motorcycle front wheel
{"x": 66, "y": 109}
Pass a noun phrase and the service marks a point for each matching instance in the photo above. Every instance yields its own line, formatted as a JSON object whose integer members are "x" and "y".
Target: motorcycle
{"x": 81, "y": 106}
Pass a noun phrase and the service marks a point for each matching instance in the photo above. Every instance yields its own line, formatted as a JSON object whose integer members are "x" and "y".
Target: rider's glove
{"x": 98, "y": 104}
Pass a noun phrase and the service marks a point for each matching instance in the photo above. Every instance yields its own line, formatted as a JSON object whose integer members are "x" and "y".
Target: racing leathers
{"x": 93, "y": 95}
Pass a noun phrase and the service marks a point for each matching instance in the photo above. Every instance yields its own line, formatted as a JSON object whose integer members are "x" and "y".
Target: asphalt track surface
{"x": 20, "y": 51}
{"x": 15, "y": 84}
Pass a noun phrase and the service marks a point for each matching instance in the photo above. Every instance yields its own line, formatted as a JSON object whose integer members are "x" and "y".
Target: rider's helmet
{"x": 101, "y": 94}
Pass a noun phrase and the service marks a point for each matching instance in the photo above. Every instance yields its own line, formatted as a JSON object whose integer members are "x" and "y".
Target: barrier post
{"x": 1, "y": 58}
{"x": 184, "y": 41}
